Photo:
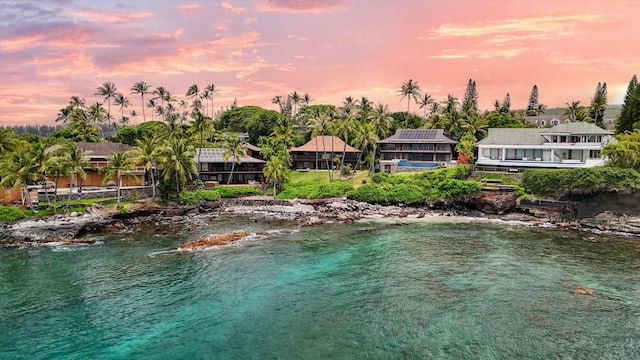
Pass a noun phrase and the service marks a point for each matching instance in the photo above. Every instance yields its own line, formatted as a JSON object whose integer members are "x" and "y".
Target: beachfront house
{"x": 415, "y": 148}
{"x": 98, "y": 154}
{"x": 322, "y": 149}
{"x": 565, "y": 145}
{"x": 214, "y": 169}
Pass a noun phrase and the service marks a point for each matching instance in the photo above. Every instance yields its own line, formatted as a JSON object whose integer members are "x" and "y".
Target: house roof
{"x": 325, "y": 143}
{"x": 101, "y": 150}
{"x": 252, "y": 147}
{"x": 510, "y": 136}
{"x": 418, "y": 136}
{"x": 216, "y": 155}
{"x": 533, "y": 136}
{"x": 577, "y": 128}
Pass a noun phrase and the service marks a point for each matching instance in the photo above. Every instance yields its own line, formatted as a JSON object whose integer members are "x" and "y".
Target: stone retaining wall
{"x": 128, "y": 193}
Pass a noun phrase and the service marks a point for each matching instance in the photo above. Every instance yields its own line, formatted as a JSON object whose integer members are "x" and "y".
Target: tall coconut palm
{"x": 295, "y": 100}
{"x": 381, "y": 120}
{"x": 17, "y": 168}
{"x": 344, "y": 130}
{"x": 476, "y": 126}
{"x": 161, "y": 93}
{"x": 424, "y": 102}
{"x": 141, "y": 88}
{"x": 97, "y": 113}
{"x": 151, "y": 104}
{"x": 118, "y": 164}
{"x": 73, "y": 161}
{"x": 121, "y": 101}
{"x": 212, "y": 89}
{"x": 306, "y": 99}
{"x": 178, "y": 161}
{"x": 233, "y": 148}
{"x": 64, "y": 113}
{"x": 41, "y": 156}
{"x": 146, "y": 152}
{"x": 320, "y": 125}
{"x": 193, "y": 92}
{"x": 108, "y": 90}
{"x": 364, "y": 138}
{"x": 285, "y": 131}
{"x": 76, "y": 102}
{"x": 201, "y": 125}
{"x": 410, "y": 90}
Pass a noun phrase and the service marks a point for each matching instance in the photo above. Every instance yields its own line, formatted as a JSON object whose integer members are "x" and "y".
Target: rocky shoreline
{"x": 72, "y": 228}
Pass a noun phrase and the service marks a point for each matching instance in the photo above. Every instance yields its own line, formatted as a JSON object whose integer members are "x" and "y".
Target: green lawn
{"x": 323, "y": 176}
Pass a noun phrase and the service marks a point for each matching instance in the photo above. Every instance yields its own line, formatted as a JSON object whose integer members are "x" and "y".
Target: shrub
{"x": 297, "y": 190}
{"x": 232, "y": 192}
{"x": 329, "y": 190}
{"x": 452, "y": 187}
{"x": 10, "y": 213}
{"x": 548, "y": 182}
{"x": 406, "y": 193}
{"x": 371, "y": 193}
{"x": 194, "y": 197}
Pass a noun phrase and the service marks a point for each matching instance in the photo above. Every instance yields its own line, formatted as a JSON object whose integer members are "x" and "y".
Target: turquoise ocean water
{"x": 401, "y": 289}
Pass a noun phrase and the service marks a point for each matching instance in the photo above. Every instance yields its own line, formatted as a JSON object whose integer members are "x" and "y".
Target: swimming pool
{"x": 428, "y": 165}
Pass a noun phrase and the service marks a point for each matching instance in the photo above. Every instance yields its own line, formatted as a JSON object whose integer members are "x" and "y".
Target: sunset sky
{"x": 253, "y": 50}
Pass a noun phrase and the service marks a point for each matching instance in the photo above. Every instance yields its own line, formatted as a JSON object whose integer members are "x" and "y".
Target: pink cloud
{"x": 301, "y": 6}
{"x": 112, "y": 16}
{"x": 227, "y": 6}
{"x": 190, "y": 7}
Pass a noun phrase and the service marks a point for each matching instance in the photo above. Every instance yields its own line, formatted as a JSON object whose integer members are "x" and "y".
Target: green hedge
{"x": 10, "y": 213}
{"x": 194, "y": 197}
{"x": 452, "y": 187}
{"x": 548, "y": 182}
{"x": 315, "y": 190}
{"x": 389, "y": 194}
{"x": 233, "y": 192}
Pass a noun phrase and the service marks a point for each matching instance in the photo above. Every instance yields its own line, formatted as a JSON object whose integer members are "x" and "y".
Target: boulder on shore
{"x": 212, "y": 240}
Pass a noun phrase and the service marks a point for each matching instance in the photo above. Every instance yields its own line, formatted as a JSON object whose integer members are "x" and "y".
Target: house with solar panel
{"x": 214, "y": 168}
{"x": 570, "y": 145}
{"x": 322, "y": 149}
{"x": 415, "y": 149}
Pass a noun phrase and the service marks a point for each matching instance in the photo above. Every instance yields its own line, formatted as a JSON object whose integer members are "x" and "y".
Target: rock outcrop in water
{"x": 213, "y": 240}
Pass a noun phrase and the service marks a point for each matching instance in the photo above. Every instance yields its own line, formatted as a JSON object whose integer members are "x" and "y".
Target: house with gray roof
{"x": 566, "y": 145}
{"x": 212, "y": 166}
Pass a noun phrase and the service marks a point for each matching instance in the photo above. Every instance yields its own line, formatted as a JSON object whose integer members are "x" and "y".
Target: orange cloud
{"x": 190, "y": 6}
{"x": 301, "y": 6}
{"x": 20, "y": 42}
{"x": 227, "y": 6}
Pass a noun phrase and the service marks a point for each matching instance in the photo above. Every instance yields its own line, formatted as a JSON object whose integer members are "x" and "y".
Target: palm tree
{"x": 364, "y": 137}
{"x": 162, "y": 93}
{"x": 108, "y": 90}
{"x": 8, "y": 141}
{"x": 151, "y": 104}
{"x": 121, "y": 101}
{"x": 178, "y": 160}
{"x": 276, "y": 170}
{"x": 76, "y": 102}
{"x": 193, "y": 92}
{"x": 118, "y": 164}
{"x": 64, "y": 113}
{"x": 344, "y": 129}
{"x": 540, "y": 109}
{"x": 295, "y": 99}
{"x": 201, "y": 125}
{"x": 97, "y": 113}
{"x": 81, "y": 126}
{"x": 475, "y": 125}
{"x": 410, "y": 90}
{"x": 233, "y": 148}
{"x": 320, "y": 125}
{"x": 424, "y": 102}
{"x": 170, "y": 129}
{"x": 572, "y": 110}
{"x": 306, "y": 99}
{"x": 381, "y": 121}
{"x": 141, "y": 88}
{"x": 146, "y": 152}
{"x": 211, "y": 88}
{"x": 41, "y": 156}
{"x": 285, "y": 130}
{"x": 17, "y": 169}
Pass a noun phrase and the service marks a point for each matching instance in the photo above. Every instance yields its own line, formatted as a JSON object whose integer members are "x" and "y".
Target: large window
{"x": 496, "y": 154}
{"x": 524, "y": 154}
{"x": 443, "y": 147}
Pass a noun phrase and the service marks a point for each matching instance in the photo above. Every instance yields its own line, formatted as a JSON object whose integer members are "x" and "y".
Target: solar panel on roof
{"x": 417, "y": 134}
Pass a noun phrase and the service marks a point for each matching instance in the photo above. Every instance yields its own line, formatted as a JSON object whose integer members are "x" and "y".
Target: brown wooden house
{"x": 322, "y": 148}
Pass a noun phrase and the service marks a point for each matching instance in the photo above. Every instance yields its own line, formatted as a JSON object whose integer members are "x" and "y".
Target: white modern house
{"x": 569, "y": 145}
